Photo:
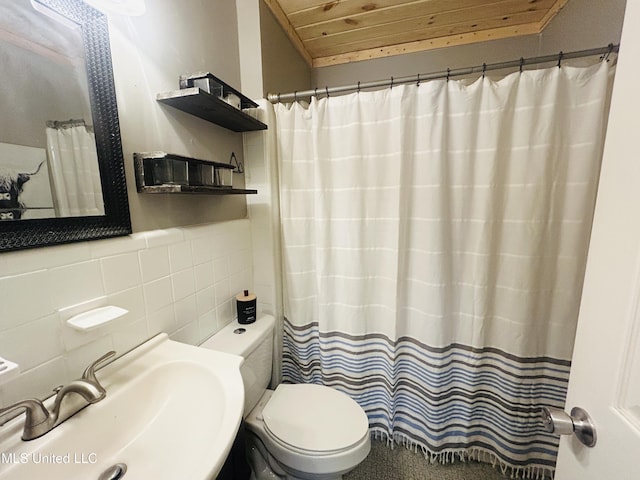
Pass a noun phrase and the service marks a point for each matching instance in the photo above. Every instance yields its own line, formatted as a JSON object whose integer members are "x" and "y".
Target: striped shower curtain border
{"x": 457, "y": 401}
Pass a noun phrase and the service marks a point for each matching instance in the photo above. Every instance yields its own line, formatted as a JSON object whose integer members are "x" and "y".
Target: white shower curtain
{"x": 75, "y": 175}
{"x": 434, "y": 244}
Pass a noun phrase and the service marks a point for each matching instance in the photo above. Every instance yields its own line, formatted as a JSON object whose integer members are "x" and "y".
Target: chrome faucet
{"x": 38, "y": 420}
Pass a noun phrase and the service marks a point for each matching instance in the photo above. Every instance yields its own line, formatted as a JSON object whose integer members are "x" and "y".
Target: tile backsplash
{"x": 181, "y": 281}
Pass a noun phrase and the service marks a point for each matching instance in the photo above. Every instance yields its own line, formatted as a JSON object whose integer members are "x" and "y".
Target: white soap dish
{"x": 95, "y": 318}
{"x": 8, "y": 370}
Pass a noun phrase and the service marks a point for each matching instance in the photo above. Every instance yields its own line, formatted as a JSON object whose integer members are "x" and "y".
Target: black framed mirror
{"x": 19, "y": 231}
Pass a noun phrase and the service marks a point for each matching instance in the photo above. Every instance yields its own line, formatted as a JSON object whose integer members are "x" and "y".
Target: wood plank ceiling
{"x": 329, "y": 32}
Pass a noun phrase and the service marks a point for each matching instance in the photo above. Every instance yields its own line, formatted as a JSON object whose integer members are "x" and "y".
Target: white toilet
{"x": 309, "y": 432}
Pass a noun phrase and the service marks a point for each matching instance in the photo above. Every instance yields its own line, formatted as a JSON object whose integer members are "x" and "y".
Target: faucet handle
{"x": 36, "y": 416}
{"x": 90, "y": 372}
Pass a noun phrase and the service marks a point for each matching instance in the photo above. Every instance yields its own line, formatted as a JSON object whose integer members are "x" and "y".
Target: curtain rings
{"x": 418, "y": 83}
{"x": 279, "y": 97}
{"x": 391, "y": 86}
{"x": 521, "y": 63}
{"x": 560, "y": 58}
{"x": 606, "y": 55}
{"x": 448, "y": 74}
{"x": 358, "y": 86}
{"x": 315, "y": 92}
{"x": 484, "y": 69}
{"x": 295, "y": 96}
{"x": 326, "y": 89}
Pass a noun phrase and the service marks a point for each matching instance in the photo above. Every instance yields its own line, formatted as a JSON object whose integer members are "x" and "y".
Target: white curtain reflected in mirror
{"x": 73, "y": 168}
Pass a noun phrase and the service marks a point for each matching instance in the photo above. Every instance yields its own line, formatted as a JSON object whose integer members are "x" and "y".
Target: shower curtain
{"x": 73, "y": 166}
{"x": 434, "y": 245}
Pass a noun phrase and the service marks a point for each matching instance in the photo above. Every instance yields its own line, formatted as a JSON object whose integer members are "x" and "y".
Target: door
{"x": 605, "y": 374}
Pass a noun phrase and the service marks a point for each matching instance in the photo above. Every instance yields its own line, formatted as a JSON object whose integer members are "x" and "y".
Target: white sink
{"x": 171, "y": 412}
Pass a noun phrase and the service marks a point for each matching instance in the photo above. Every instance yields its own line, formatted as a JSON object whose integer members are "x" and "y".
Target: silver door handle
{"x": 579, "y": 422}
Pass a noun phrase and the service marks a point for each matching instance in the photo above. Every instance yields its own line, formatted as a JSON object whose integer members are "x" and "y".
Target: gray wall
{"x": 150, "y": 52}
{"x": 580, "y": 25}
{"x": 268, "y": 60}
{"x": 283, "y": 68}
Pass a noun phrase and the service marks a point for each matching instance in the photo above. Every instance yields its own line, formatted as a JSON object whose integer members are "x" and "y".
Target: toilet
{"x": 301, "y": 431}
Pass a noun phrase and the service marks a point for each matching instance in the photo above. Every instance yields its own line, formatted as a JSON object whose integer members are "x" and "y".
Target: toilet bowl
{"x": 301, "y": 431}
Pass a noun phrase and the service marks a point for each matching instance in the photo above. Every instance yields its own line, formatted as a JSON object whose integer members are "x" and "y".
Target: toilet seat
{"x": 350, "y": 445}
{"x": 314, "y": 419}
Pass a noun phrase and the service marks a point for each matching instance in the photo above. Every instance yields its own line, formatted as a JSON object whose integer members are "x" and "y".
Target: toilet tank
{"x": 253, "y": 342}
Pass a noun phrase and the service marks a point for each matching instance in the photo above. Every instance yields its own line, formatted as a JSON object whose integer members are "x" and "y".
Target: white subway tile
{"x": 163, "y": 320}
{"x": 33, "y": 343}
{"x": 157, "y": 238}
{"x": 265, "y": 293}
{"x": 180, "y": 256}
{"x": 226, "y": 312}
{"x": 131, "y": 300}
{"x": 130, "y": 336}
{"x": 207, "y": 324}
{"x": 199, "y": 231}
{"x": 157, "y": 295}
{"x": 154, "y": 263}
{"x": 37, "y": 382}
{"x": 24, "y": 261}
{"x": 189, "y": 334}
{"x": 204, "y": 275}
{"x": 117, "y": 246}
{"x": 222, "y": 292}
{"x": 221, "y": 268}
{"x": 120, "y": 272}
{"x": 238, "y": 282}
{"x": 239, "y": 260}
{"x": 265, "y": 309}
{"x": 183, "y": 284}
{"x": 75, "y": 283}
{"x": 263, "y": 266}
{"x": 180, "y": 281}
{"x": 73, "y": 339}
{"x": 228, "y": 242}
{"x": 80, "y": 358}
{"x": 186, "y": 311}
{"x": 24, "y": 298}
{"x": 202, "y": 250}
{"x": 205, "y": 300}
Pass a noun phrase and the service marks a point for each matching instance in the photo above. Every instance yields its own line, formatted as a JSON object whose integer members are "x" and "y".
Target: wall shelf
{"x": 211, "y": 107}
{"x": 160, "y": 172}
{"x": 189, "y": 189}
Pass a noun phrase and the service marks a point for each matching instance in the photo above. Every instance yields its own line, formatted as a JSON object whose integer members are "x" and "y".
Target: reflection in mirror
{"x": 61, "y": 166}
{"x": 48, "y": 157}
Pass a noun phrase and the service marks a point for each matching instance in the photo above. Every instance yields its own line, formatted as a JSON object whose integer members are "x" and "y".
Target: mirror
{"x": 61, "y": 165}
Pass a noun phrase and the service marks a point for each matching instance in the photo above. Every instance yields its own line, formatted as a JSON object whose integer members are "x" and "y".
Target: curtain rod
{"x": 520, "y": 63}
{"x": 65, "y": 123}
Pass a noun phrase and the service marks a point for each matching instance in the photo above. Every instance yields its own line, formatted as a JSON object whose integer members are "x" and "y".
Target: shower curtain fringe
{"x": 475, "y": 454}
{"x": 604, "y": 52}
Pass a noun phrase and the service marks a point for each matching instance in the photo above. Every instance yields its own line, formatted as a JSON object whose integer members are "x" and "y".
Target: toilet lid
{"x": 314, "y": 417}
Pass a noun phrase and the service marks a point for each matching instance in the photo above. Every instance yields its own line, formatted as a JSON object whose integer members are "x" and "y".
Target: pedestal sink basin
{"x": 171, "y": 412}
